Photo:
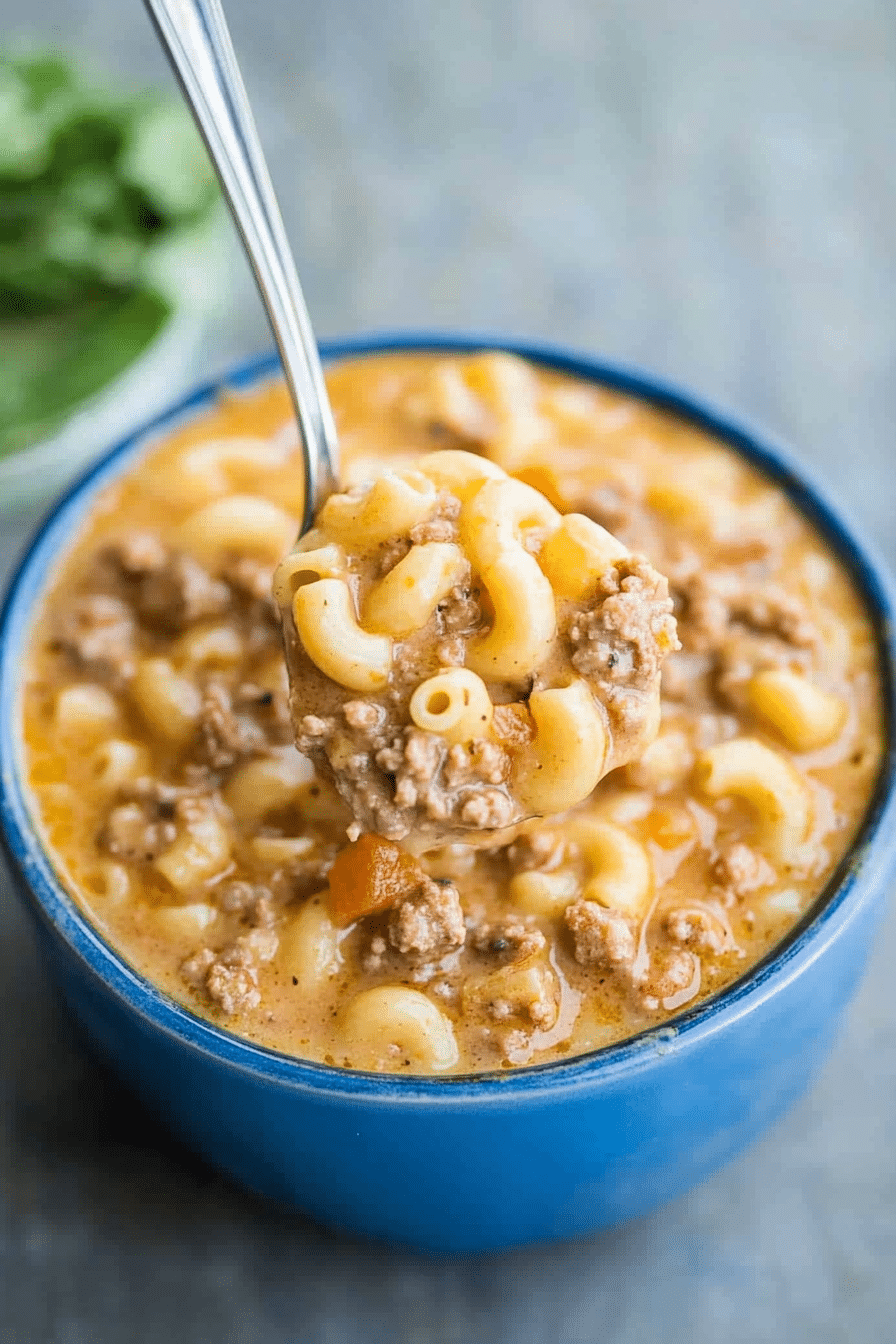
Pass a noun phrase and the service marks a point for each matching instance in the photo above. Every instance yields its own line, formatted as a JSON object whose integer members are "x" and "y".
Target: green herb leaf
{"x": 50, "y": 365}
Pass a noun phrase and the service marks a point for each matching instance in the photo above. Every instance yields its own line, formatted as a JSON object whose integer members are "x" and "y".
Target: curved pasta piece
{"x": 620, "y": 876}
{"x": 458, "y": 471}
{"x": 804, "y": 715}
{"x": 215, "y": 467}
{"x": 241, "y": 524}
{"x": 303, "y": 565}
{"x": 201, "y": 850}
{"x": 335, "y": 643}
{"x": 209, "y": 646}
{"x": 278, "y": 851}
{"x": 524, "y": 623}
{"x": 544, "y": 894}
{"x": 118, "y": 761}
{"x": 265, "y": 785}
{"x": 392, "y": 506}
{"x": 566, "y": 760}
{"x": 577, "y": 554}
{"x": 764, "y": 778}
{"x": 408, "y": 595}
{"x": 379, "y": 1022}
{"x": 497, "y": 517}
{"x": 186, "y": 923}
{"x": 309, "y": 947}
{"x": 168, "y": 701}
{"x": 85, "y": 712}
{"x": 455, "y": 704}
{"x": 507, "y": 386}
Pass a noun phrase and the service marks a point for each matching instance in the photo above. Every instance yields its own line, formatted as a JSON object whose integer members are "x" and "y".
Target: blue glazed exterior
{"x": 471, "y": 1164}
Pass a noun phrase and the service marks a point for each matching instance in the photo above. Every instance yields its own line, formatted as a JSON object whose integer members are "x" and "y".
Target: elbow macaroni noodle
{"x": 455, "y": 704}
{"x": 406, "y": 598}
{"x": 337, "y": 644}
{"x": 767, "y": 781}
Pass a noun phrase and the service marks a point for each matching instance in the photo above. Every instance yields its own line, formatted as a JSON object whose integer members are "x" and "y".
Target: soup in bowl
{"x": 587, "y": 1007}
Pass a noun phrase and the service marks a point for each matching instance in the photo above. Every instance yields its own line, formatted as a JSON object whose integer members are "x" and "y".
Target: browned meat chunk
{"x": 479, "y": 762}
{"x": 694, "y": 926}
{"x": 442, "y": 526}
{"x": 250, "y": 899}
{"x": 252, "y": 577}
{"x": 386, "y": 777}
{"x": 742, "y": 871}
{"x": 233, "y": 988}
{"x": 195, "y": 969}
{"x": 230, "y": 977}
{"x": 460, "y": 614}
{"x": 430, "y": 923}
{"x": 270, "y": 709}
{"x": 169, "y": 590}
{"x": 486, "y": 809}
{"x": 601, "y": 937}
{"x": 391, "y": 552}
{"x": 511, "y": 939}
{"x": 541, "y": 850}
{"x": 97, "y": 634}
{"x": 180, "y": 594}
{"x": 715, "y": 602}
{"x": 626, "y": 638}
{"x": 365, "y": 717}
{"x": 138, "y": 831}
{"x": 674, "y": 975}
{"x": 422, "y": 759}
{"x": 137, "y": 554}
{"x": 225, "y": 736}
{"x": 313, "y": 730}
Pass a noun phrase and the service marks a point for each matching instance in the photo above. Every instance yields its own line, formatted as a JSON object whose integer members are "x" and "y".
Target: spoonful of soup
{"x": 462, "y": 656}
{"x": 196, "y": 40}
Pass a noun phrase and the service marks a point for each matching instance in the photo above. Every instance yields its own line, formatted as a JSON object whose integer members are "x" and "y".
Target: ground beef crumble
{"x": 442, "y": 526}
{"x": 697, "y": 927}
{"x": 224, "y": 735}
{"x": 739, "y": 623}
{"x": 230, "y": 977}
{"x": 514, "y": 938}
{"x": 542, "y": 851}
{"x": 742, "y": 871}
{"x": 626, "y": 638}
{"x": 96, "y": 633}
{"x": 138, "y": 831}
{"x": 602, "y": 938}
{"x": 429, "y": 923}
{"x": 390, "y": 779}
{"x": 251, "y": 900}
{"x": 169, "y": 590}
{"x": 671, "y": 972}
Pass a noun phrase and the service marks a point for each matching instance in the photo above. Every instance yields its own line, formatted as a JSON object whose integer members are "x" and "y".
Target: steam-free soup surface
{"x": 185, "y": 823}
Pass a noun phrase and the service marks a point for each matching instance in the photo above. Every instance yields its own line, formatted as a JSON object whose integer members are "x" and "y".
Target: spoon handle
{"x": 196, "y": 40}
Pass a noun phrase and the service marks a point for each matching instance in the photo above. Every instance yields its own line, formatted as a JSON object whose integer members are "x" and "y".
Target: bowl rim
{"x": 844, "y": 895}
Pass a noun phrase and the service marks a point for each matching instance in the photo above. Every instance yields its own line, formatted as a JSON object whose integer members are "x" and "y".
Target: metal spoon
{"x": 196, "y": 40}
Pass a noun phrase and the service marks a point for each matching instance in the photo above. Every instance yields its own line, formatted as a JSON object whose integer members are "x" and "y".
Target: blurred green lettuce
{"x": 93, "y": 184}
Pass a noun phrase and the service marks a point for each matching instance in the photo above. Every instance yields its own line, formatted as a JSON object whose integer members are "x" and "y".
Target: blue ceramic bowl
{"x": 476, "y": 1163}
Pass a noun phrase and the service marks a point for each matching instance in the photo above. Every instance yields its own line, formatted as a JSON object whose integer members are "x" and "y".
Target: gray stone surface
{"x": 708, "y": 188}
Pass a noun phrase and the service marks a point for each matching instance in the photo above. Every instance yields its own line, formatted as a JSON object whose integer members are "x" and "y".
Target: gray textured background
{"x": 706, "y": 187}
